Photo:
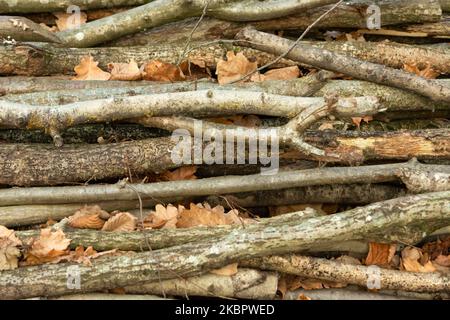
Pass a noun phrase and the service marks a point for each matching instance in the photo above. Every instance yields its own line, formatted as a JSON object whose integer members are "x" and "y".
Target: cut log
{"x": 377, "y": 277}
{"x": 42, "y": 59}
{"x": 351, "y": 14}
{"x": 245, "y": 284}
{"x": 207, "y": 186}
{"x": 427, "y": 210}
{"x": 161, "y": 12}
{"x": 358, "y": 69}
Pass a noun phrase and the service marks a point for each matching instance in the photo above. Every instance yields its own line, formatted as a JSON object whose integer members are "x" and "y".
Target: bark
{"x": 394, "y": 55}
{"x": 40, "y": 59}
{"x": 47, "y": 165}
{"x": 161, "y": 12}
{"x": 210, "y": 186}
{"x": 246, "y": 284}
{"x": 54, "y": 92}
{"x": 329, "y": 270}
{"x": 14, "y": 216}
{"x": 200, "y": 103}
{"x": 358, "y": 147}
{"x": 30, "y": 6}
{"x": 341, "y": 294}
{"x": 22, "y": 29}
{"x": 352, "y": 14}
{"x": 301, "y": 87}
{"x": 445, "y": 5}
{"x": 357, "y": 194}
{"x": 428, "y": 210}
{"x": 21, "y": 215}
{"x": 358, "y": 69}
{"x": 433, "y": 29}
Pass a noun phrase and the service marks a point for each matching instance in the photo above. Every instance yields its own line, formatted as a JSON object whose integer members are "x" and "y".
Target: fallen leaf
{"x": 301, "y": 296}
{"x": 156, "y": 70}
{"x": 287, "y": 73}
{"x": 348, "y": 260}
{"x": 49, "y": 246}
{"x": 9, "y": 253}
{"x": 428, "y": 72}
{"x": 380, "y": 254}
{"x": 120, "y": 222}
{"x": 195, "y": 69}
{"x": 328, "y": 125}
{"x": 183, "y": 173}
{"x": 234, "y": 67}
{"x": 88, "y": 70}
{"x": 243, "y": 120}
{"x": 125, "y": 71}
{"x": 67, "y": 21}
{"x": 436, "y": 248}
{"x": 198, "y": 215}
{"x": 443, "y": 260}
{"x": 228, "y": 270}
{"x": 88, "y": 217}
{"x": 51, "y": 29}
{"x": 163, "y": 217}
{"x": 411, "y": 261}
{"x": 357, "y": 120}
{"x": 282, "y": 286}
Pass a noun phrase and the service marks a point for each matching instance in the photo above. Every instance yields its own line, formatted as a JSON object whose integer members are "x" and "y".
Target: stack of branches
{"x": 362, "y": 127}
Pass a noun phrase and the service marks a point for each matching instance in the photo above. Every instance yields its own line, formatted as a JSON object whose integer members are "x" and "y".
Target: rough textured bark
{"x": 349, "y": 194}
{"x": 23, "y": 29}
{"x": 358, "y": 147}
{"x": 210, "y": 186}
{"x": 429, "y": 211}
{"x": 47, "y": 165}
{"x": 358, "y": 69}
{"x": 160, "y": 12}
{"x": 40, "y": 59}
{"x": 246, "y": 284}
{"x": 324, "y": 269}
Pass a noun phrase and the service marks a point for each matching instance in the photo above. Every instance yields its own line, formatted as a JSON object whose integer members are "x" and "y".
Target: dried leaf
{"x": 287, "y": 73}
{"x": 9, "y": 253}
{"x": 195, "y": 69}
{"x": 443, "y": 260}
{"x": 48, "y": 247}
{"x": 243, "y": 120}
{"x": 436, "y": 248}
{"x": 428, "y": 72}
{"x": 51, "y": 29}
{"x": 198, "y": 215}
{"x": 228, "y": 270}
{"x": 380, "y": 254}
{"x": 357, "y": 120}
{"x": 163, "y": 217}
{"x": 122, "y": 221}
{"x": 88, "y": 70}
{"x": 183, "y": 173}
{"x": 67, "y": 21}
{"x": 156, "y": 70}
{"x": 279, "y": 210}
{"x": 125, "y": 71}
{"x": 282, "y": 286}
{"x": 88, "y": 217}
{"x": 234, "y": 67}
{"x": 411, "y": 261}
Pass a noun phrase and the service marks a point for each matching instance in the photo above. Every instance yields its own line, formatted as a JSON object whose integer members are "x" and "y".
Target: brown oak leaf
{"x": 9, "y": 253}
{"x": 234, "y": 67}
{"x": 156, "y": 70}
{"x": 67, "y": 21}
{"x": 125, "y": 71}
{"x": 163, "y": 217}
{"x": 88, "y": 70}
{"x": 88, "y": 217}
{"x": 380, "y": 254}
{"x": 48, "y": 247}
{"x": 120, "y": 222}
